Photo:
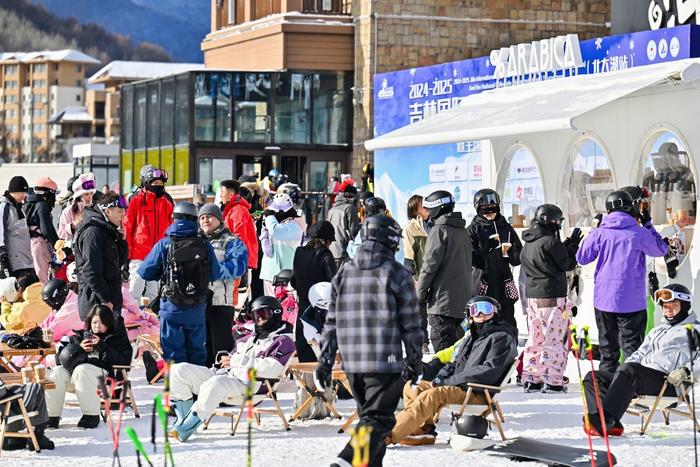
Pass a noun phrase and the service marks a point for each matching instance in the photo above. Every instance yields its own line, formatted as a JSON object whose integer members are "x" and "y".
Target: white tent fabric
{"x": 532, "y": 108}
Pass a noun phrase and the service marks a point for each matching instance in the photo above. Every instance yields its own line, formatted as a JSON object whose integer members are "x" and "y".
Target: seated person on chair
{"x": 663, "y": 356}
{"x": 485, "y": 355}
{"x": 34, "y": 401}
{"x": 267, "y": 351}
{"x": 91, "y": 353}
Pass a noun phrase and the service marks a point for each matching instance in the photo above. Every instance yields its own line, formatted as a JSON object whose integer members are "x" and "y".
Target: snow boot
{"x": 44, "y": 442}
{"x": 89, "y": 421}
{"x": 617, "y": 429}
{"x": 150, "y": 364}
{"x": 184, "y": 430}
{"x": 53, "y": 422}
{"x": 181, "y": 409}
{"x": 594, "y": 428}
{"x": 551, "y": 389}
{"x": 423, "y": 436}
{"x": 532, "y": 387}
{"x": 13, "y": 444}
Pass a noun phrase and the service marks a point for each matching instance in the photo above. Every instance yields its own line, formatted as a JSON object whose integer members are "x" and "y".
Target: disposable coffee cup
{"x": 47, "y": 335}
{"x": 504, "y": 248}
{"x": 27, "y": 375}
{"x": 40, "y": 373}
{"x": 495, "y": 237}
{"x": 145, "y": 301}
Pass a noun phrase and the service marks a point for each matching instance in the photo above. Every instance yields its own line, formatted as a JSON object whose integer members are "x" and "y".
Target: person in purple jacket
{"x": 621, "y": 245}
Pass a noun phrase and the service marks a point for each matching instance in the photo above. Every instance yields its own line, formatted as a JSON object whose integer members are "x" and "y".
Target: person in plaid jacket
{"x": 373, "y": 310}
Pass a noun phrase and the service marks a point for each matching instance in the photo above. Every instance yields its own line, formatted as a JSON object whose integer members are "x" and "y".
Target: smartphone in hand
{"x": 88, "y": 336}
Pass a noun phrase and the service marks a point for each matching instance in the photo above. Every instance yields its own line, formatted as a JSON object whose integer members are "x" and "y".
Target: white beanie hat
{"x": 82, "y": 185}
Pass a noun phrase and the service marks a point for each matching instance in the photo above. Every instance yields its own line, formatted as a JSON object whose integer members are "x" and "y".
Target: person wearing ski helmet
{"x": 344, "y": 218}
{"x": 186, "y": 275}
{"x": 42, "y": 232}
{"x": 371, "y": 207}
{"x": 445, "y": 280}
{"x": 484, "y": 356}
{"x": 664, "y": 356}
{"x": 267, "y": 350}
{"x": 313, "y": 264}
{"x": 149, "y": 215}
{"x": 372, "y": 317}
{"x": 496, "y": 249}
{"x": 621, "y": 246}
{"x": 279, "y": 239}
{"x": 545, "y": 259}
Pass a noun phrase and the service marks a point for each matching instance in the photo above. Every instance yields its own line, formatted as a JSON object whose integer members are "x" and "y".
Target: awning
{"x": 532, "y": 108}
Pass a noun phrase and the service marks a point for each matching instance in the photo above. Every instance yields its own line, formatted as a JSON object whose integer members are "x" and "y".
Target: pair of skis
{"x": 578, "y": 344}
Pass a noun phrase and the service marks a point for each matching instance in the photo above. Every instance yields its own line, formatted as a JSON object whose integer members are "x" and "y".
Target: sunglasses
{"x": 666, "y": 295}
{"x": 484, "y": 308}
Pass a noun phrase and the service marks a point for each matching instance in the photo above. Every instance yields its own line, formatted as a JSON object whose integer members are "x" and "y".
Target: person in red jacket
{"x": 150, "y": 213}
{"x": 239, "y": 221}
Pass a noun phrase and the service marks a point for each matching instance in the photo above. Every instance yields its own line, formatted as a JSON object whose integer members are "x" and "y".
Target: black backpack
{"x": 186, "y": 279}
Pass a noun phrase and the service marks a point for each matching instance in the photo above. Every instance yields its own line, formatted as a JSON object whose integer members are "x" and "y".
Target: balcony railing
{"x": 327, "y": 7}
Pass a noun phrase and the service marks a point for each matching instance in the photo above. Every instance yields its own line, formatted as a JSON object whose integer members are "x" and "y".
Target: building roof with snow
{"x": 66, "y": 55}
{"x": 71, "y": 114}
{"x": 119, "y": 70}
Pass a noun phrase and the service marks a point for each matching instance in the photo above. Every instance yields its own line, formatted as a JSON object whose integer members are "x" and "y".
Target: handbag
{"x": 511, "y": 290}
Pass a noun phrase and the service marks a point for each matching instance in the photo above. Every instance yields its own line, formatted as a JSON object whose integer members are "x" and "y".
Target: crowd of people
{"x": 252, "y": 282}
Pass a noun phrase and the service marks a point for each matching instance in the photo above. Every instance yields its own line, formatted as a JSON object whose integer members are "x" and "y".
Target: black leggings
{"x": 219, "y": 322}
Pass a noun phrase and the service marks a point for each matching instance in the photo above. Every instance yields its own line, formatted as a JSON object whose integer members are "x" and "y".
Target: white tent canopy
{"x": 531, "y": 108}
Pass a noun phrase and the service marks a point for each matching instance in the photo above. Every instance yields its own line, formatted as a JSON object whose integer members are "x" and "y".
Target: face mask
{"x": 156, "y": 190}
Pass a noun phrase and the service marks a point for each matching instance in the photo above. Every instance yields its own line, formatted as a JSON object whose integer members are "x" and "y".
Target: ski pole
{"x": 599, "y": 404}
{"x": 163, "y": 416}
{"x": 576, "y": 350}
{"x": 691, "y": 347}
{"x": 249, "y": 400}
{"x": 131, "y": 433}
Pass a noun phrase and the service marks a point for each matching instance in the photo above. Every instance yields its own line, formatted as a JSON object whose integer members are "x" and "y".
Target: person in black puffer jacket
{"x": 313, "y": 263}
{"x": 491, "y": 267}
{"x": 99, "y": 256}
{"x": 105, "y": 346}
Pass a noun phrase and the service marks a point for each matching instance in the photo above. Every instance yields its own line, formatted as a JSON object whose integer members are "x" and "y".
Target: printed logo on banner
{"x": 386, "y": 91}
{"x": 456, "y": 170}
{"x": 518, "y": 192}
{"x": 436, "y": 173}
{"x": 651, "y": 50}
{"x": 674, "y": 47}
{"x": 477, "y": 171}
{"x": 663, "y": 48}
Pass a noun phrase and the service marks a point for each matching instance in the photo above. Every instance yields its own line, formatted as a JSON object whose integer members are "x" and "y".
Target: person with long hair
{"x": 91, "y": 353}
{"x": 414, "y": 237}
{"x": 83, "y": 188}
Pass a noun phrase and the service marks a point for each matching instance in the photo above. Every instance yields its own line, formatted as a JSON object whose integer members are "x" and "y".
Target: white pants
{"x": 187, "y": 379}
{"x": 268, "y": 288}
{"x": 83, "y": 382}
{"x": 138, "y": 286}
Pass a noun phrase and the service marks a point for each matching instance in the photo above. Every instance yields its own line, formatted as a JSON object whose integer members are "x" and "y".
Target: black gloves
{"x": 323, "y": 374}
{"x": 4, "y": 266}
{"x": 412, "y": 370}
{"x": 576, "y": 236}
{"x": 645, "y": 217}
{"x": 268, "y": 212}
{"x": 446, "y": 371}
{"x": 653, "y": 283}
{"x": 438, "y": 381}
{"x": 410, "y": 265}
{"x": 597, "y": 220}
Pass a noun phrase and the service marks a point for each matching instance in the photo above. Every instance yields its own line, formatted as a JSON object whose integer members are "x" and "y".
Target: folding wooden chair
{"x": 645, "y": 406}
{"x": 235, "y": 412}
{"x": 154, "y": 343}
{"x": 6, "y": 419}
{"x": 123, "y": 384}
{"x": 491, "y": 408}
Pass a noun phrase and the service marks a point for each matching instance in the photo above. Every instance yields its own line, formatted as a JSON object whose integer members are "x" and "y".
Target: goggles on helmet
{"x": 668, "y": 295}
{"x": 159, "y": 173}
{"x": 488, "y": 198}
{"x": 438, "y": 202}
{"x": 117, "y": 203}
{"x": 262, "y": 313}
{"x": 484, "y": 308}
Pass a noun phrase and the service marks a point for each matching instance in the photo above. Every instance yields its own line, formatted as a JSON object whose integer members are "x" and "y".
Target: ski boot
{"x": 181, "y": 409}
{"x": 184, "y": 430}
{"x": 552, "y": 389}
{"x": 532, "y": 387}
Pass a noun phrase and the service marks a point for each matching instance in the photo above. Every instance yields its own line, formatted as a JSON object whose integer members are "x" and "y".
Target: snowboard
{"x": 548, "y": 453}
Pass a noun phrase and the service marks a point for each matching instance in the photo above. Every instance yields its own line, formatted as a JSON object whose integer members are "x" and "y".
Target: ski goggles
{"x": 262, "y": 313}
{"x": 489, "y": 198}
{"x": 117, "y": 203}
{"x": 159, "y": 173}
{"x": 483, "y": 308}
{"x": 667, "y": 295}
{"x": 88, "y": 185}
{"x": 438, "y": 202}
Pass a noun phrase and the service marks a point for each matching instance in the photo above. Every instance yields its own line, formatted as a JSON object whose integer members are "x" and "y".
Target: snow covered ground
{"x": 552, "y": 418}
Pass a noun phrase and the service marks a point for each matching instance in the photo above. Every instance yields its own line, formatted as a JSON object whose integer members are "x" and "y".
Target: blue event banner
{"x": 407, "y": 96}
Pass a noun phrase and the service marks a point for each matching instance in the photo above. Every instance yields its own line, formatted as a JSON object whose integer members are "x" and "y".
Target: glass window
{"x": 589, "y": 183}
{"x": 167, "y": 162}
{"x": 204, "y": 88}
{"x": 182, "y": 165}
{"x": 205, "y": 174}
{"x": 127, "y": 116}
{"x": 223, "y": 107}
{"x": 293, "y": 108}
{"x": 127, "y": 170}
{"x": 182, "y": 110}
{"x": 152, "y": 130}
{"x": 330, "y": 110}
{"x": 167, "y": 115}
{"x": 140, "y": 117}
{"x": 522, "y": 189}
{"x": 251, "y": 93}
{"x": 668, "y": 176}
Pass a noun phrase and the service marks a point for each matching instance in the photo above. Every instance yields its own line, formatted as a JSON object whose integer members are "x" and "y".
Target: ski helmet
{"x": 472, "y": 425}
{"x": 273, "y": 173}
{"x": 292, "y": 190}
{"x": 54, "y": 293}
{"x": 382, "y": 229}
{"x": 72, "y": 355}
{"x": 549, "y": 215}
{"x": 439, "y": 203}
{"x": 320, "y": 295}
{"x": 269, "y": 308}
{"x": 283, "y": 277}
{"x": 619, "y": 201}
{"x": 675, "y": 291}
{"x": 487, "y": 201}
{"x": 185, "y": 210}
{"x": 281, "y": 179}
{"x": 281, "y": 202}
{"x": 374, "y": 206}
{"x": 149, "y": 173}
{"x": 637, "y": 193}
